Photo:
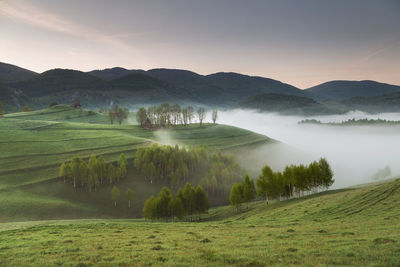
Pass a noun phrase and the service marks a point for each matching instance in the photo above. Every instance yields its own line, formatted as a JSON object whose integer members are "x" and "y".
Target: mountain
{"x": 287, "y": 104}
{"x": 11, "y": 73}
{"x": 58, "y": 80}
{"x": 245, "y": 86}
{"x": 112, "y": 73}
{"x": 219, "y": 88}
{"x": 340, "y": 90}
{"x": 101, "y": 88}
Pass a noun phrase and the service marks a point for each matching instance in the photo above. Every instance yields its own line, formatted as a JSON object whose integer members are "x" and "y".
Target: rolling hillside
{"x": 351, "y": 227}
{"x": 34, "y": 144}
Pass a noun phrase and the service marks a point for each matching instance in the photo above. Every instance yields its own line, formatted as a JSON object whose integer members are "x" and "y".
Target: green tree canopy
{"x": 236, "y": 195}
{"x": 129, "y": 196}
{"x": 115, "y": 195}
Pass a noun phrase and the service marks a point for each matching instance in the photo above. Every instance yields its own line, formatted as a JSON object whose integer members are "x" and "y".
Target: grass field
{"x": 357, "y": 226}
{"x": 33, "y": 145}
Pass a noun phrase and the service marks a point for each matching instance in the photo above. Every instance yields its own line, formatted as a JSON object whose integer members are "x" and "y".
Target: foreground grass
{"x": 348, "y": 227}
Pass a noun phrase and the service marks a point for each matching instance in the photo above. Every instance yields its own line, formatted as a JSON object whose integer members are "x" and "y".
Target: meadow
{"x": 34, "y": 144}
{"x": 354, "y": 226}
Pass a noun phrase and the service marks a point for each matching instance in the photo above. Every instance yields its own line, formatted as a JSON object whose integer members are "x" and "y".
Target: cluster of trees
{"x": 117, "y": 114}
{"x": 89, "y": 176}
{"x": 242, "y": 192}
{"x": 294, "y": 180}
{"x": 186, "y": 203}
{"x": 170, "y": 165}
{"x": 166, "y": 115}
{"x": 177, "y": 165}
{"x": 116, "y": 195}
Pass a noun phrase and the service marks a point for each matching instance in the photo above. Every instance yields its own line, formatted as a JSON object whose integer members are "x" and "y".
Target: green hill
{"x": 352, "y": 227}
{"x": 34, "y": 144}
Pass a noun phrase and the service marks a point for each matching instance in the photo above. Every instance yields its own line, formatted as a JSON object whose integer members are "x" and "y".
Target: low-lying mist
{"x": 355, "y": 153}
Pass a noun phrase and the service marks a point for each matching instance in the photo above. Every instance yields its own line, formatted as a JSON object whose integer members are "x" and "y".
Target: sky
{"x": 302, "y": 43}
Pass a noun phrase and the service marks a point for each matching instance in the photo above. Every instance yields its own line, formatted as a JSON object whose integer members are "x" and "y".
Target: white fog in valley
{"x": 354, "y": 152}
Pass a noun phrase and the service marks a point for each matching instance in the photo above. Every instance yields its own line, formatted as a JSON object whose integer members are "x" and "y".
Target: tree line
{"x": 88, "y": 176}
{"x": 294, "y": 180}
{"x": 177, "y": 165}
{"x": 187, "y": 202}
{"x": 166, "y": 115}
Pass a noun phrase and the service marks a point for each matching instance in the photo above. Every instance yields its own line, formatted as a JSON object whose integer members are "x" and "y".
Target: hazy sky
{"x": 298, "y": 42}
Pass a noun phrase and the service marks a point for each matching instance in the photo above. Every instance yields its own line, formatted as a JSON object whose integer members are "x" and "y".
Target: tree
{"x": 115, "y": 195}
{"x": 185, "y": 116}
{"x": 122, "y": 172}
{"x": 111, "y": 116}
{"x": 263, "y": 181}
{"x": 25, "y": 108}
{"x": 201, "y": 113}
{"x": 141, "y": 116}
{"x": 75, "y": 164}
{"x": 162, "y": 203}
{"x": 1, "y": 110}
{"x": 188, "y": 198}
{"x": 236, "y": 196}
{"x": 93, "y": 178}
{"x": 249, "y": 189}
{"x": 200, "y": 200}
{"x": 101, "y": 168}
{"x": 83, "y": 173}
{"x": 63, "y": 171}
{"x": 111, "y": 173}
{"x": 327, "y": 173}
{"x": 214, "y": 115}
{"x": 129, "y": 196}
{"x": 149, "y": 208}
{"x": 190, "y": 112}
{"x": 176, "y": 208}
{"x": 122, "y": 159}
{"x": 121, "y": 114}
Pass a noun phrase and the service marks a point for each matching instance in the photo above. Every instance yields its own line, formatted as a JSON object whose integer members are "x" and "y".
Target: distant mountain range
{"x": 102, "y": 88}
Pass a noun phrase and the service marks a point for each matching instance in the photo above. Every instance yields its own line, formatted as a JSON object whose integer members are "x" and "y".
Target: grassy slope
{"x": 33, "y": 145}
{"x": 358, "y": 226}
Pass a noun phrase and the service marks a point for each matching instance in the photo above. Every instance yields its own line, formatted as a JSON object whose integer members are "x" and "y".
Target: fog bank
{"x": 354, "y": 152}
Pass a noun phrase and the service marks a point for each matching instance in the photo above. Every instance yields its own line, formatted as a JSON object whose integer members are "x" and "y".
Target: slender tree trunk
{"x": 129, "y": 203}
